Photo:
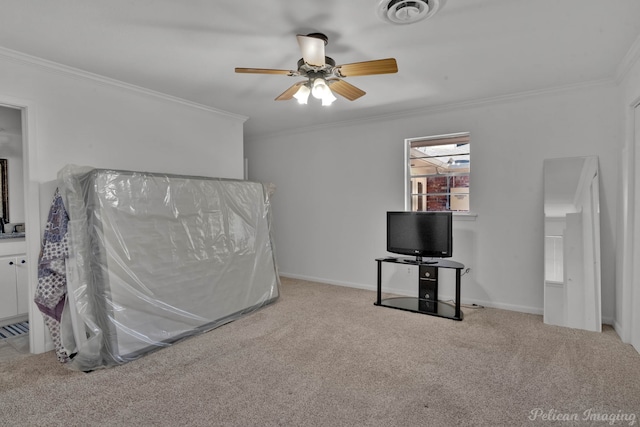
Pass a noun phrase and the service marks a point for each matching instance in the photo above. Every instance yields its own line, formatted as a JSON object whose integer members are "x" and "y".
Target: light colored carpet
{"x": 14, "y": 348}
{"x": 326, "y": 356}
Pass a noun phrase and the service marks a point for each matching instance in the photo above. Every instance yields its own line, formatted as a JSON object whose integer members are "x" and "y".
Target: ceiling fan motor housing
{"x": 402, "y": 12}
{"x": 325, "y": 71}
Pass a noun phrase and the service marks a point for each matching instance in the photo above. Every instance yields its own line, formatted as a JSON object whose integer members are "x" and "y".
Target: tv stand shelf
{"x": 427, "y": 300}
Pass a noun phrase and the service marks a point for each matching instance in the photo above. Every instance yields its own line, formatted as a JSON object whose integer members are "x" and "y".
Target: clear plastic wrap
{"x": 154, "y": 258}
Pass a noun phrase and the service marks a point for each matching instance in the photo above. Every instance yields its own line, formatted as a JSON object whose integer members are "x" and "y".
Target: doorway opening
{"x": 17, "y": 145}
{"x": 14, "y": 281}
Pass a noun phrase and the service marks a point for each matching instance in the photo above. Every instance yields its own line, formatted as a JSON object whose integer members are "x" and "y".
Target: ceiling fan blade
{"x": 264, "y": 71}
{"x": 288, "y": 94}
{"x": 366, "y": 68}
{"x": 346, "y": 90}
{"x": 312, "y": 49}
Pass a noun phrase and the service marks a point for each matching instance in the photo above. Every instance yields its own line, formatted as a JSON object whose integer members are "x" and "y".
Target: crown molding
{"x": 500, "y": 99}
{"x": 106, "y": 81}
{"x": 631, "y": 57}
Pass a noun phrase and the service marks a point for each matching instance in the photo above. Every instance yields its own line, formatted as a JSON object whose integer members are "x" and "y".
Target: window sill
{"x": 554, "y": 283}
{"x": 464, "y": 216}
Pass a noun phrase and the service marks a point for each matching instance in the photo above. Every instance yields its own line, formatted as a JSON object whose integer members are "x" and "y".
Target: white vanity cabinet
{"x": 14, "y": 285}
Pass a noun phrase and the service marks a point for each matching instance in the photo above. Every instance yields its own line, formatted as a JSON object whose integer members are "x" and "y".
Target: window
{"x": 437, "y": 173}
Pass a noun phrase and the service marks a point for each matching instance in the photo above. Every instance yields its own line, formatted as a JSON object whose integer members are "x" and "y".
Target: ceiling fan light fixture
{"x": 319, "y": 77}
{"x": 312, "y": 47}
{"x": 328, "y": 98}
{"x": 302, "y": 95}
{"x": 319, "y": 88}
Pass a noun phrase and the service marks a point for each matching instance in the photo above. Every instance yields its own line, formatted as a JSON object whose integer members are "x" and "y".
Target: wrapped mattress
{"x": 154, "y": 258}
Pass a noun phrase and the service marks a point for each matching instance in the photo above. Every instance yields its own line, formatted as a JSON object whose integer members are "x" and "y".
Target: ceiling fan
{"x": 323, "y": 76}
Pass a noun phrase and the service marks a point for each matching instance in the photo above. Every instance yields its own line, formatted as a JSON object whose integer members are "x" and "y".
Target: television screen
{"x": 423, "y": 234}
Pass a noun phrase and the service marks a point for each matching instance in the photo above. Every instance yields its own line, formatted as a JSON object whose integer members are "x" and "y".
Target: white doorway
{"x": 30, "y": 201}
{"x": 634, "y": 283}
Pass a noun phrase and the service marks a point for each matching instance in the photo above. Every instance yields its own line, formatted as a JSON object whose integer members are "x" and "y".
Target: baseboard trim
{"x": 621, "y": 332}
{"x": 328, "y": 281}
{"x": 391, "y": 290}
{"x": 491, "y": 304}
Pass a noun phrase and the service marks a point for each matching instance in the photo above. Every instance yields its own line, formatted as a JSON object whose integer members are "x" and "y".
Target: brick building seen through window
{"x": 438, "y": 173}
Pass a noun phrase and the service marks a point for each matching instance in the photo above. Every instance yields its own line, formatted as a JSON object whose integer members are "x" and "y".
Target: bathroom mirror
{"x": 572, "y": 295}
{"x": 4, "y": 189}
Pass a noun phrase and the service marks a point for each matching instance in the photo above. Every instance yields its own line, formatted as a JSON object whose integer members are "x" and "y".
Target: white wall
{"x": 335, "y": 184}
{"x": 98, "y": 123}
{"x": 76, "y": 118}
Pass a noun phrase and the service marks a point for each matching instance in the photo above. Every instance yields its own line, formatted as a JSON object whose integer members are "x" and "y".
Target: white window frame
{"x": 407, "y": 170}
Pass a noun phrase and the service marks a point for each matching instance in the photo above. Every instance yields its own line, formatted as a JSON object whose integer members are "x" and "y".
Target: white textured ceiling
{"x": 470, "y": 50}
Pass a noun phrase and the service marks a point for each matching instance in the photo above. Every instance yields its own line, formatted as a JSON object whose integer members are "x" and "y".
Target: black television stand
{"x": 416, "y": 260}
{"x": 427, "y": 300}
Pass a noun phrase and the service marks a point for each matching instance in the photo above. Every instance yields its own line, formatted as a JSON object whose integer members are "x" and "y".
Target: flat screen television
{"x": 422, "y": 234}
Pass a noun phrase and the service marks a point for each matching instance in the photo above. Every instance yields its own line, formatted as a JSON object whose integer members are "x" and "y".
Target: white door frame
{"x": 628, "y": 301}
{"x": 37, "y": 333}
{"x": 633, "y": 284}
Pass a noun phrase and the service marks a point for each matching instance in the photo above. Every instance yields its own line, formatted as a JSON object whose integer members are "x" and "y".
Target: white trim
{"x": 75, "y": 72}
{"x": 434, "y": 137}
{"x": 517, "y": 96}
{"x": 464, "y": 216}
{"x": 630, "y": 58}
{"x": 606, "y": 320}
{"x": 633, "y": 286}
{"x": 403, "y": 292}
{"x": 37, "y": 331}
{"x": 463, "y": 301}
{"x": 626, "y": 232}
{"x": 407, "y": 174}
{"x": 327, "y": 281}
